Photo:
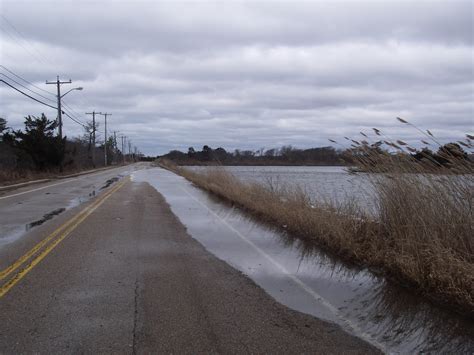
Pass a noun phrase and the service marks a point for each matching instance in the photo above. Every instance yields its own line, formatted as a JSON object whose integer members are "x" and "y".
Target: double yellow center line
{"x": 21, "y": 267}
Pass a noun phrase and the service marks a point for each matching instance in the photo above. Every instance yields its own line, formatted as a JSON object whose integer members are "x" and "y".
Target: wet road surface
{"x": 307, "y": 280}
{"x": 30, "y": 206}
{"x": 120, "y": 274}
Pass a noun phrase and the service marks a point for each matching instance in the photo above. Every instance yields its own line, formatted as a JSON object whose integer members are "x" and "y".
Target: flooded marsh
{"x": 301, "y": 276}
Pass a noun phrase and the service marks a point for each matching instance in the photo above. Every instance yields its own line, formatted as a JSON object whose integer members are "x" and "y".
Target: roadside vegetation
{"x": 422, "y": 235}
{"x": 37, "y": 152}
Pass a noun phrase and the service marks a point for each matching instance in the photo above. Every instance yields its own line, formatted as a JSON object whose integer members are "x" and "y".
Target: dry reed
{"x": 422, "y": 235}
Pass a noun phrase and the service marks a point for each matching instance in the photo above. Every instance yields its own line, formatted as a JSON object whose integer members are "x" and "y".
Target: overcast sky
{"x": 247, "y": 74}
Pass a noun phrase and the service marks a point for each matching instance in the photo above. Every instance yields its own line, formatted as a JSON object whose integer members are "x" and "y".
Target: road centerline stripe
{"x": 63, "y": 232}
{"x": 4, "y": 273}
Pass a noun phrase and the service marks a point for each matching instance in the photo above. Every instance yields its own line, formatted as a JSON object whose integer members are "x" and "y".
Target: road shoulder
{"x": 205, "y": 305}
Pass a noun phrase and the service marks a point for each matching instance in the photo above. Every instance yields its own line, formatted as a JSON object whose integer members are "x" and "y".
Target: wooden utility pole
{"x": 93, "y": 113}
{"x": 105, "y": 141}
{"x": 115, "y": 146}
{"x": 123, "y": 153}
{"x": 60, "y": 120}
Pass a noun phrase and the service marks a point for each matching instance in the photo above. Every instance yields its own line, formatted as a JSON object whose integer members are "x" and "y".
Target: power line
{"x": 73, "y": 119}
{"x": 58, "y": 84}
{"x": 22, "y": 46}
{"x": 16, "y": 82}
{"x": 72, "y": 115}
{"x": 26, "y": 81}
{"x": 31, "y": 97}
{"x": 24, "y": 39}
{"x": 72, "y": 111}
{"x": 18, "y": 36}
{"x": 70, "y": 108}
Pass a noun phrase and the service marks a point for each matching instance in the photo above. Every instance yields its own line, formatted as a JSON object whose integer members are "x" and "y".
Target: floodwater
{"x": 22, "y": 210}
{"x": 309, "y": 281}
{"x": 332, "y": 184}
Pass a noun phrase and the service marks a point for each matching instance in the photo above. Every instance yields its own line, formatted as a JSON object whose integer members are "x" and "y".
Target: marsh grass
{"x": 425, "y": 212}
{"x": 421, "y": 236}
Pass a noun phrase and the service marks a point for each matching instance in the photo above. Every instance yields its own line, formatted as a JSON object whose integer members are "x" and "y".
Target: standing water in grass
{"x": 302, "y": 277}
{"x": 412, "y": 220}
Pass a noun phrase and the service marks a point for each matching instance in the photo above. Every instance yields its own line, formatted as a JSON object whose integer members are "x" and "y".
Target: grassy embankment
{"x": 422, "y": 236}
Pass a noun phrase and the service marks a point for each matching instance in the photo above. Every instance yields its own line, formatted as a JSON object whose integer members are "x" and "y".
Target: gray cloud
{"x": 247, "y": 74}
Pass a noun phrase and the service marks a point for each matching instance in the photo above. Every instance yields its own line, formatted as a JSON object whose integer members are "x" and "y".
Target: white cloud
{"x": 247, "y": 74}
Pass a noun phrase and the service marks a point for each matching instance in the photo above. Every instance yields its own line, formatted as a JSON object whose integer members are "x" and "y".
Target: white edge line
{"x": 59, "y": 183}
{"x": 346, "y": 322}
{"x": 39, "y": 188}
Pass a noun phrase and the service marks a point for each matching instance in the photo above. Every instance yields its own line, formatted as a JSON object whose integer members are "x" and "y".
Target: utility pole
{"x": 59, "y": 120}
{"x": 123, "y": 153}
{"x": 115, "y": 146}
{"x": 105, "y": 141}
{"x": 93, "y": 113}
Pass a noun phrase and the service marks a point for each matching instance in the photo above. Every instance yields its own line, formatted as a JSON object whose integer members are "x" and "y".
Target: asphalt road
{"x": 25, "y": 207}
{"x": 119, "y": 274}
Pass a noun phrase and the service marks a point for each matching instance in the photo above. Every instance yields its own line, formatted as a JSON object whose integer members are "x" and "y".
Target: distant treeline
{"x": 286, "y": 155}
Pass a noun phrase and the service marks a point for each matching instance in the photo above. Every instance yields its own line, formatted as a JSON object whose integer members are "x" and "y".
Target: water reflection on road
{"x": 22, "y": 210}
{"x": 312, "y": 282}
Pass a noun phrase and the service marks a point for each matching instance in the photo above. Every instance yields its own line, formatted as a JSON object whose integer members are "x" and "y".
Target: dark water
{"x": 310, "y": 281}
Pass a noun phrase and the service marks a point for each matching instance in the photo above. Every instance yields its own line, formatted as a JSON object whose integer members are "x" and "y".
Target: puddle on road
{"x": 11, "y": 233}
{"x": 110, "y": 182}
{"x": 45, "y": 218}
{"x": 309, "y": 281}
